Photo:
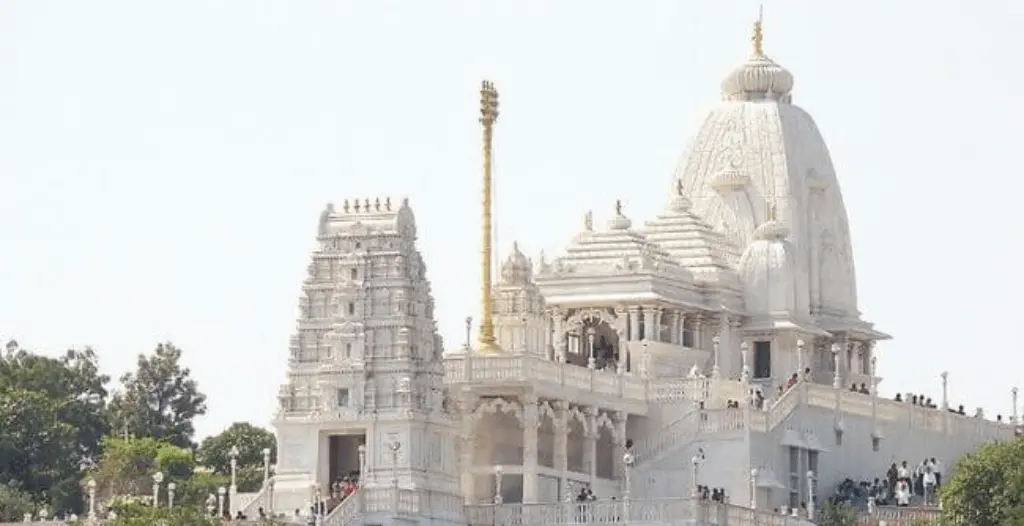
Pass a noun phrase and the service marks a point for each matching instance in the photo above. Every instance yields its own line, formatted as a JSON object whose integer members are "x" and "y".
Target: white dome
{"x": 759, "y": 78}
{"x": 517, "y": 268}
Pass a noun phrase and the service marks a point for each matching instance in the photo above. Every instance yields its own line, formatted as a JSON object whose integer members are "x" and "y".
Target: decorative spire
{"x": 488, "y": 116}
{"x": 771, "y": 210}
{"x": 618, "y": 207}
{"x": 758, "y": 37}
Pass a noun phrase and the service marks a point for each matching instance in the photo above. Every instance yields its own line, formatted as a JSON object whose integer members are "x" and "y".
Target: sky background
{"x": 163, "y": 164}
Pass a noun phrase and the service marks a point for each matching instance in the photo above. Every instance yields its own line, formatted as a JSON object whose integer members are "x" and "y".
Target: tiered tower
{"x": 519, "y": 307}
{"x": 365, "y": 389}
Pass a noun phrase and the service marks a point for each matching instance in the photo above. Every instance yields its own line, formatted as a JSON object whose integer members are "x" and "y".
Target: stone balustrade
{"x": 896, "y": 516}
{"x": 885, "y": 410}
{"x": 626, "y": 511}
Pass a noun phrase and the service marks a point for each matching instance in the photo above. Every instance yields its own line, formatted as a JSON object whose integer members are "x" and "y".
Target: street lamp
{"x": 233, "y": 454}
{"x": 696, "y": 466}
{"x": 266, "y": 465}
{"x": 753, "y": 489}
{"x": 715, "y": 371}
{"x": 592, "y": 360}
{"x": 158, "y": 478}
{"x": 170, "y": 494}
{"x": 221, "y": 491}
{"x": 499, "y": 473}
{"x": 745, "y": 356}
{"x": 837, "y": 378}
{"x": 92, "y": 498}
{"x": 945, "y": 389}
{"x": 627, "y": 464}
{"x": 395, "y": 446}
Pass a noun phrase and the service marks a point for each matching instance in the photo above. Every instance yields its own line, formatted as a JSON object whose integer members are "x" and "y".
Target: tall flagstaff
{"x": 488, "y": 116}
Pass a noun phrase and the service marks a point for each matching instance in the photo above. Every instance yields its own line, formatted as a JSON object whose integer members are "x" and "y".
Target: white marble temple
{"x": 629, "y": 362}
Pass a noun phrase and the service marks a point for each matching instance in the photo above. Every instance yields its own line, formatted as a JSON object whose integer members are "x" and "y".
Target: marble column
{"x": 561, "y": 439}
{"x": 647, "y": 315}
{"x": 531, "y": 421}
{"x": 698, "y": 331}
{"x": 682, "y": 328}
{"x": 590, "y": 435}
{"x": 634, "y": 324}
{"x": 619, "y": 418}
{"x": 656, "y": 332}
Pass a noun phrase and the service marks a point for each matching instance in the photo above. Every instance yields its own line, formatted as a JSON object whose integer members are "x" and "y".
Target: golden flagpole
{"x": 488, "y": 116}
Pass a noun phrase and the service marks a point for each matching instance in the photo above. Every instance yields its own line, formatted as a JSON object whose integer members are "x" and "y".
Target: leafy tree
{"x": 160, "y": 399}
{"x": 215, "y": 453}
{"x": 52, "y": 418}
{"x": 128, "y": 465}
{"x": 837, "y": 514}
{"x": 14, "y": 504}
{"x": 987, "y": 486}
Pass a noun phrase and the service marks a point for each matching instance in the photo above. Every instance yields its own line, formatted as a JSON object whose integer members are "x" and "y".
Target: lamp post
{"x": 499, "y": 473}
{"x": 945, "y": 388}
{"x": 158, "y": 478}
{"x": 753, "y": 489}
{"x": 233, "y": 454}
{"x": 716, "y": 372}
{"x": 810, "y": 494}
{"x": 800, "y": 359}
{"x": 837, "y": 376}
{"x": 92, "y": 498}
{"x": 266, "y": 466}
{"x": 627, "y": 464}
{"x": 592, "y": 360}
{"x": 745, "y": 356}
{"x": 1013, "y": 393}
{"x": 221, "y": 492}
{"x": 469, "y": 330}
{"x": 171, "y": 488}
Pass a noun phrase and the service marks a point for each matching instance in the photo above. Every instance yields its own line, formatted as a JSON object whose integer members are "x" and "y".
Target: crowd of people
{"x": 902, "y": 485}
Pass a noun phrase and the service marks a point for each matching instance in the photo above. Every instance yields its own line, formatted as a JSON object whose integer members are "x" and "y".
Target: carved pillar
{"x": 698, "y": 331}
{"x": 655, "y": 332}
{"x": 619, "y": 439}
{"x": 590, "y": 435}
{"x": 682, "y": 328}
{"x": 675, "y": 337}
{"x": 634, "y": 324}
{"x": 530, "y": 425}
{"x": 467, "y": 443}
{"x": 558, "y": 334}
{"x": 562, "y": 439}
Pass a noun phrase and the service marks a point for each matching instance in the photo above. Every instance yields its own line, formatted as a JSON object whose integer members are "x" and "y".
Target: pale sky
{"x": 163, "y": 164}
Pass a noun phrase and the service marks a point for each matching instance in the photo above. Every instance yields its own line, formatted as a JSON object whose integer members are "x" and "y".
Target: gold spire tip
{"x": 758, "y": 38}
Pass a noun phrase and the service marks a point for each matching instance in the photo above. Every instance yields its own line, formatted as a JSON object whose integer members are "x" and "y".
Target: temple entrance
{"x": 344, "y": 459}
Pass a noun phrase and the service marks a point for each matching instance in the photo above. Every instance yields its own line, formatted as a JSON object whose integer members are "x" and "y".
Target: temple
{"x": 717, "y": 345}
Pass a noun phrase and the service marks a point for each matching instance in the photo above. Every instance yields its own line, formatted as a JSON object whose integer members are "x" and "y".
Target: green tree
{"x": 128, "y": 465}
{"x": 52, "y": 418}
{"x": 14, "y": 504}
{"x": 215, "y": 453}
{"x": 987, "y": 486}
{"x": 160, "y": 399}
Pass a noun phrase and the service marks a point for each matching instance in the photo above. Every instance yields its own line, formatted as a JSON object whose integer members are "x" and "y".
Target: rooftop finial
{"x": 618, "y": 207}
{"x": 771, "y": 211}
{"x": 679, "y": 187}
{"x": 758, "y": 38}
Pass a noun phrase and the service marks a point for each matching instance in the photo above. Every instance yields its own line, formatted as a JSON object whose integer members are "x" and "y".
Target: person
{"x": 928, "y": 479}
{"x": 903, "y": 493}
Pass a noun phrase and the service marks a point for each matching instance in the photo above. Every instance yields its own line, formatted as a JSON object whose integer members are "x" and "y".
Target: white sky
{"x": 163, "y": 164}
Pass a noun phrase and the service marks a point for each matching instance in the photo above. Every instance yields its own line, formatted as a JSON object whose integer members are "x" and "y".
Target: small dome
{"x": 517, "y": 268}
{"x": 771, "y": 230}
{"x": 759, "y": 78}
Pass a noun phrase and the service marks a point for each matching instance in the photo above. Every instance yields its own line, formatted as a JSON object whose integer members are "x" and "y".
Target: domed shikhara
{"x": 768, "y": 271}
{"x": 756, "y": 150}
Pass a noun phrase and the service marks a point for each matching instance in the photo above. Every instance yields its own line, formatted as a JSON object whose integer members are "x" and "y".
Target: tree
{"x": 987, "y": 486}
{"x": 14, "y": 504}
{"x": 52, "y": 415}
{"x": 127, "y": 467}
{"x": 160, "y": 399}
{"x": 215, "y": 453}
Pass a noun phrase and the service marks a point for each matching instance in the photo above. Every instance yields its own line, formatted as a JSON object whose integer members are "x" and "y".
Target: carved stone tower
{"x": 365, "y": 389}
{"x": 518, "y": 306}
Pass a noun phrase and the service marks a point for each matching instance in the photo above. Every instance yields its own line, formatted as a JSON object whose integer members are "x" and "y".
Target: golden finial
{"x": 771, "y": 211}
{"x": 679, "y": 187}
{"x": 488, "y": 116}
{"x": 618, "y": 207}
{"x": 758, "y": 38}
